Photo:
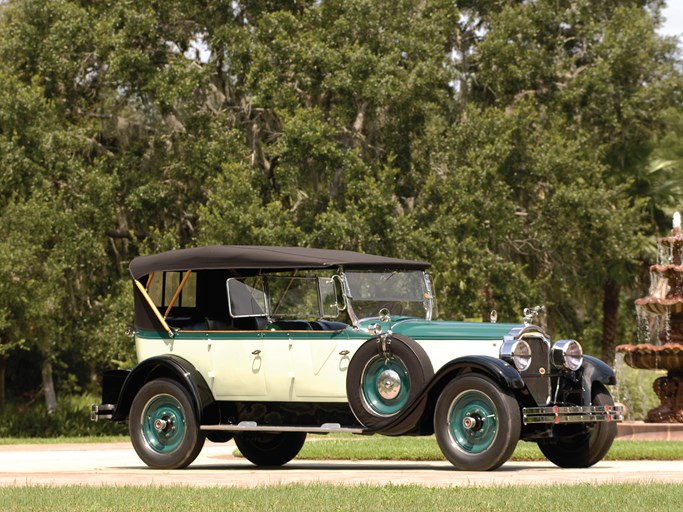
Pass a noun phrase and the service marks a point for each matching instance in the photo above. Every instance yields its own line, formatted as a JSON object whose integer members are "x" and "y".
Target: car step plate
{"x": 252, "y": 426}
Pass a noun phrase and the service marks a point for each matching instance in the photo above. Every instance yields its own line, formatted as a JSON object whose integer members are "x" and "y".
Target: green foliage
{"x": 513, "y": 144}
{"x": 109, "y": 346}
{"x": 72, "y": 419}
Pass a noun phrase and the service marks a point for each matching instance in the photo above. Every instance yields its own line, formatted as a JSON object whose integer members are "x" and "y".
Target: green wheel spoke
{"x": 473, "y": 422}
{"x": 163, "y": 424}
{"x": 477, "y": 424}
{"x": 385, "y": 385}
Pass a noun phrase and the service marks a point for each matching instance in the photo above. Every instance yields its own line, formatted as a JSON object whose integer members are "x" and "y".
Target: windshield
{"x": 277, "y": 296}
{"x": 404, "y": 293}
{"x": 302, "y": 297}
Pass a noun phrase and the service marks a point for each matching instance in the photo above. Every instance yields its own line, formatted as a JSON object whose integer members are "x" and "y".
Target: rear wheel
{"x": 477, "y": 424}
{"x": 162, "y": 425}
{"x": 584, "y": 449}
{"x": 270, "y": 449}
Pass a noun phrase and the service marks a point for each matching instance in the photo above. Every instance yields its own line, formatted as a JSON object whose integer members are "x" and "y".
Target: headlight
{"x": 567, "y": 354}
{"x": 517, "y": 352}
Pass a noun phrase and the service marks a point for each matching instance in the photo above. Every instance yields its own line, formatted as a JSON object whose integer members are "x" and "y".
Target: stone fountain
{"x": 660, "y": 319}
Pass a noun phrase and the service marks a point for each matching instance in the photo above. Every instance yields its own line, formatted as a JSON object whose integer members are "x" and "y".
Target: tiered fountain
{"x": 660, "y": 318}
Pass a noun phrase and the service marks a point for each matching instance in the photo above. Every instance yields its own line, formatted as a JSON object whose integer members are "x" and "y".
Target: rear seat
{"x": 327, "y": 325}
{"x": 289, "y": 325}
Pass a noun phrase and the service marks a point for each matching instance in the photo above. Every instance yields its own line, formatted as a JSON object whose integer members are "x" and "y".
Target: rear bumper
{"x": 572, "y": 414}
{"x": 102, "y": 411}
{"x": 112, "y": 384}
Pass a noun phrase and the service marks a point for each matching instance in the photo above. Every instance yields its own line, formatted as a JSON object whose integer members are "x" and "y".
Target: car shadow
{"x": 360, "y": 466}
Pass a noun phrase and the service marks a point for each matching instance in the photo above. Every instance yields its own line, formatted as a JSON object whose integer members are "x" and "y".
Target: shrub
{"x": 72, "y": 419}
{"x": 634, "y": 389}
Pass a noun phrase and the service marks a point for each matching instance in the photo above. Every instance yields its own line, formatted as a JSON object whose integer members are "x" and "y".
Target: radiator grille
{"x": 537, "y": 376}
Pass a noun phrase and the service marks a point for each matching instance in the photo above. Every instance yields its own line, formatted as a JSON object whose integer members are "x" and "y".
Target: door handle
{"x": 256, "y": 352}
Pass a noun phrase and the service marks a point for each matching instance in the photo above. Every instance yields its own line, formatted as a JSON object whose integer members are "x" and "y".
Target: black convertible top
{"x": 255, "y": 258}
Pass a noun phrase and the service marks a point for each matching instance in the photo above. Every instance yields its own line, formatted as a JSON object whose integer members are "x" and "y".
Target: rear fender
{"x": 169, "y": 366}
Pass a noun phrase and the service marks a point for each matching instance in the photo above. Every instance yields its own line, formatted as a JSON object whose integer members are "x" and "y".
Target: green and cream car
{"x": 264, "y": 345}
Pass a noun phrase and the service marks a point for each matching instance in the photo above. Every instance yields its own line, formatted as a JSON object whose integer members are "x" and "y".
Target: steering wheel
{"x": 392, "y": 308}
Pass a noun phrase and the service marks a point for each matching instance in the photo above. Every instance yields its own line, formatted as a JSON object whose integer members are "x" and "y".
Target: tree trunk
{"x": 610, "y": 314}
{"x": 49, "y": 387}
{"x": 3, "y": 369}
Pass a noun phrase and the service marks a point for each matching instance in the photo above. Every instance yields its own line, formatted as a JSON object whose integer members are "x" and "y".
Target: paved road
{"x": 117, "y": 464}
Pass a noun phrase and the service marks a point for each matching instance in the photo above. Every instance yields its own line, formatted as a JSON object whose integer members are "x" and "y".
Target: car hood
{"x": 440, "y": 329}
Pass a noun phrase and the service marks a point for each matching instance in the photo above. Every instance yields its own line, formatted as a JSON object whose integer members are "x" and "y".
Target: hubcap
{"x": 163, "y": 423}
{"x": 389, "y": 384}
{"x": 473, "y": 422}
{"x": 385, "y": 385}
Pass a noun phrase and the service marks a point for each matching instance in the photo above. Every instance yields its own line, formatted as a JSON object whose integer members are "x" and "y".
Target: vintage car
{"x": 267, "y": 344}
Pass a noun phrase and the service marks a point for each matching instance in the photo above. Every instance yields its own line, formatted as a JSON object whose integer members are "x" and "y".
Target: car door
{"x": 330, "y": 353}
{"x": 236, "y": 363}
{"x": 306, "y": 365}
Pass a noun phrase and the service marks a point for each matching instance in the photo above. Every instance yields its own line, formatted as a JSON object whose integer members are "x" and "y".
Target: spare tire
{"x": 385, "y": 376}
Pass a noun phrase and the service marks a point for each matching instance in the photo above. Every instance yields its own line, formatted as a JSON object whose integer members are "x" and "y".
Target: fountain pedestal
{"x": 669, "y": 388}
{"x": 660, "y": 316}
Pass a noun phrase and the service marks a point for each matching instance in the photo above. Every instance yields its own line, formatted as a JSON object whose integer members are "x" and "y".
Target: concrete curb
{"x": 641, "y": 431}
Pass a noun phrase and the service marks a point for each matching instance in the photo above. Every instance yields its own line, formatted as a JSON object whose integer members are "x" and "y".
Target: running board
{"x": 252, "y": 426}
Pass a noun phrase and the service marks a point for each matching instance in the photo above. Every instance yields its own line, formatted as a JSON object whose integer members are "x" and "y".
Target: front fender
{"x": 500, "y": 371}
{"x": 170, "y": 366}
{"x": 594, "y": 370}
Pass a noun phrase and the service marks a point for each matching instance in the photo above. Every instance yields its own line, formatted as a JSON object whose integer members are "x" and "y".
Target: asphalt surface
{"x": 117, "y": 464}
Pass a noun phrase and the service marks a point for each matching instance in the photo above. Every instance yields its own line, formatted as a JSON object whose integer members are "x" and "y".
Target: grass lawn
{"x": 354, "y": 447}
{"x": 318, "y": 497}
{"x": 323, "y": 497}
{"x": 349, "y": 447}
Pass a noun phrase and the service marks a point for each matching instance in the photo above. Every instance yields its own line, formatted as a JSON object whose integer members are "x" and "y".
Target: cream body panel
{"x": 288, "y": 367}
{"x": 238, "y": 369}
{"x": 441, "y": 352}
{"x": 232, "y": 368}
{"x": 326, "y": 379}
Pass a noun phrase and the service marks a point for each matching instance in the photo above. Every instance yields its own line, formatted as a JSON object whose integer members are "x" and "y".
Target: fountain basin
{"x": 645, "y": 356}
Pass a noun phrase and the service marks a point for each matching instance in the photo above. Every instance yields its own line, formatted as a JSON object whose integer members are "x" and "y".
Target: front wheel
{"x": 162, "y": 426}
{"x": 587, "y": 448}
{"x": 270, "y": 449}
{"x": 477, "y": 424}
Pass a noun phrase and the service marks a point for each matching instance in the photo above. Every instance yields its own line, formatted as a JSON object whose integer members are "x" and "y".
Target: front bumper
{"x": 572, "y": 414}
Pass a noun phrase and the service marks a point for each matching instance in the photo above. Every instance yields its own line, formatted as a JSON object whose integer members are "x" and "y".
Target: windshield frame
{"x": 271, "y": 296}
{"x": 427, "y": 299}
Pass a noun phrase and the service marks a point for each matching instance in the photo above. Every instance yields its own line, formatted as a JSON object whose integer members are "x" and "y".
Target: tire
{"x": 586, "y": 449}
{"x": 477, "y": 424}
{"x": 375, "y": 405}
{"x": 270, "y": 449}
{"x": 163, "y": 427}
{"x": 219, "y": 437}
